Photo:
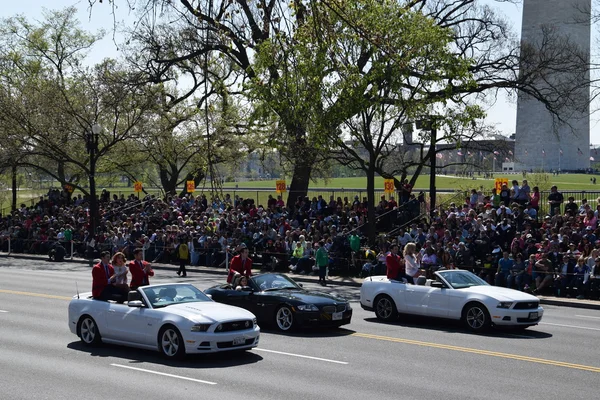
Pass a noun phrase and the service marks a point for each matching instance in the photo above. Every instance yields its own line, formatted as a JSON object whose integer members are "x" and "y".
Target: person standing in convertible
{"x": 140, "y": 270}
{"x": 240, "y": 265}
{"x": 104, "y": 279}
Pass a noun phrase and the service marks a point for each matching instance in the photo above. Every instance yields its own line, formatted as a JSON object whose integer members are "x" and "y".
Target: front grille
{"x": 332, "y": 309}
{"x": 234, "y": 326}
{"x": 527, "y": 305}
{"x": 228, "y": 345}
{"x": 527, "y": 320}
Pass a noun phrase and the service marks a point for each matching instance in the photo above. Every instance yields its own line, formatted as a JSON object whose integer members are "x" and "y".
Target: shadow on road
{"x": 132, "y": 356}
{"x": 452, "y": 326}
{"x": 310, "y": 332}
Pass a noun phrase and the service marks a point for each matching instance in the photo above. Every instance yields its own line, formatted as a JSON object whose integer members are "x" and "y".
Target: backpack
{"x": 183, "y": 251}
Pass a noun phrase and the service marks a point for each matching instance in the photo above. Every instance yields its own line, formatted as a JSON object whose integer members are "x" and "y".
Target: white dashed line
{"x": 570, "y": 326}
{"x": 587, "y": 316}
{"x": 164, "y": 374}
{"x": 3, "y": 311}
{"x": 302, "y": 356}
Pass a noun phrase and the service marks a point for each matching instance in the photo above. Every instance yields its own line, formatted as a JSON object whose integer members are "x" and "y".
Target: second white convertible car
{"x": 454, "y": 294}
{"x": 174, "y": 319}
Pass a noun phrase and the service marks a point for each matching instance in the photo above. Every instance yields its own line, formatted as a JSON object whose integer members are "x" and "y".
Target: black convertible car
{"x": 276, "y": 298}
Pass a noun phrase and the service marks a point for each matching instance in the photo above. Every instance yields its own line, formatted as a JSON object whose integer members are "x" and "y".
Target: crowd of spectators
{"x": 503, "y": 237}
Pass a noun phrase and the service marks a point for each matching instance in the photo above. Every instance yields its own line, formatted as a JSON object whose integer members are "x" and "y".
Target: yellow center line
{"x": 480, "y": 352}
{"x": 30, "y": 294}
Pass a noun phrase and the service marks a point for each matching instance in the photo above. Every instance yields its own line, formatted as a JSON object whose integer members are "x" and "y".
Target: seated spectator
{"x": 505, "y": 265}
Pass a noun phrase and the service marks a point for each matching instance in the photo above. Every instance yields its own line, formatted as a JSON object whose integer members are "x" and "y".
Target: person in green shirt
{"x": 495, "y": 199}
{"x": 355, "y": 247}
{"x": 321, "y": 260}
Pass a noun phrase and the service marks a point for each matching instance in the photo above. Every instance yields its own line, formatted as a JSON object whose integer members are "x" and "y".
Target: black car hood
{"x": 306, "y": 296}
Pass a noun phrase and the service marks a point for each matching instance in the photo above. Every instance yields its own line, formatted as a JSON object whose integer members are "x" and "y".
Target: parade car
{"x": 453, "y": 294}
{"x": 175, "y": 319}
{"x": 279, "y": 300}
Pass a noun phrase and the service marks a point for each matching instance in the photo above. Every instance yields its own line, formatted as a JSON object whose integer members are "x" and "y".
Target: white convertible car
{"x": 454, "y": 294}
{"x": 174, "y": 319}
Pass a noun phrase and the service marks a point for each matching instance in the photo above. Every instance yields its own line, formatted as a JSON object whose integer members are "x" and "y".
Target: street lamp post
{"x": 92, "y": 149}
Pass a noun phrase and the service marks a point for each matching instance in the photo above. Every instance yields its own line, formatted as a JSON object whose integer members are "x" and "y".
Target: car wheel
{"x": 284, "y": 318}
{"x": 476, "y": 317}
{"x": 88, "y": 331}
{"x": 170, "y": 342}
{"x": 385, "y": 308}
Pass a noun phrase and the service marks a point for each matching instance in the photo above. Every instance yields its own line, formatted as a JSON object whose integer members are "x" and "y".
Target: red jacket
{"x": 236, "y": 265}
{"x": 138, "y": 276}
{"x": 394, "y": 265}
{"x": 99, "y": 278}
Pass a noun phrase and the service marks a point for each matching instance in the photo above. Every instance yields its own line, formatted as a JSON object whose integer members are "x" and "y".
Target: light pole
{"x": 431, "y": 125}
{"x": 92, "y": 149}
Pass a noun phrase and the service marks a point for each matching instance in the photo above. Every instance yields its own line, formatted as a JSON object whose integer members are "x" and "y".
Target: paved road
{"x": 41, "y": 359}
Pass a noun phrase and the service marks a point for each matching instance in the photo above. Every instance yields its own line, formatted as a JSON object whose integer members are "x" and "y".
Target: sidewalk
{"x": 333, "y": 280}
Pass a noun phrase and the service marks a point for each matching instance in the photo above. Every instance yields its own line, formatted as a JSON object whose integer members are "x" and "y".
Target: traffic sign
{"x": 191, "y": 186}
{"x": 280, "y": 186}
{"x": 388, "y": 186}
{"x": 137, "y": 186}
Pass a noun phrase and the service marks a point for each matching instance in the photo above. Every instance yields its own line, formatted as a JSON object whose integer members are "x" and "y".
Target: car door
{"x": 437, "y": 302}
{"x": 416, "y": 299}
{"x": 131, "y": 324}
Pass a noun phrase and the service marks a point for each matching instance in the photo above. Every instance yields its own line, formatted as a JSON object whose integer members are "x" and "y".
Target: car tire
{"x": 170, "y": 342}
{"x": 284, "y": 319}
{"x": 385, "y": 308}
{"x": 476, "y": 317}
{"x": 88, "y": 332}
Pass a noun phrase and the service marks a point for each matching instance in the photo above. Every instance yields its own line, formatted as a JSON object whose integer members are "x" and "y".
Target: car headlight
{"x": 200, "y": 327}
{"x": 254, "y": 323}
{"x": 308, "y": 307}
{"x": 348, "y": 306}
{"x": 504, "y": 304}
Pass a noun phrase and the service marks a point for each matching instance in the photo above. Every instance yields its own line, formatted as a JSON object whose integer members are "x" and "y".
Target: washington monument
{"x": 541, "y": 142}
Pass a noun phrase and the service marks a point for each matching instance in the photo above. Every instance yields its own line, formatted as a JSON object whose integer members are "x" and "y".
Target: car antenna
{"x": 77, "y": 288}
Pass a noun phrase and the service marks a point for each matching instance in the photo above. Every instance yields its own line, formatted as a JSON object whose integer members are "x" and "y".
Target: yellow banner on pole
{"x": 280, "y": 186}
{"x": 137, "y": 186}
{"x": 191, "y": 186}
{"x": 499, "y": 183}
{"x": 388, "y": 186}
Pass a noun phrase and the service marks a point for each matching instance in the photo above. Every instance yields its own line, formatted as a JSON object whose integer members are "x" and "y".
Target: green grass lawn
{"x": 566, "y": 182}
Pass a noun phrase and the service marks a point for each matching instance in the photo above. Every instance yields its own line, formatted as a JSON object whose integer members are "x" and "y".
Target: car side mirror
{"x": 135, "y": 303}
{"x": 301, "y": 285}
{"x": 439, "y": 285}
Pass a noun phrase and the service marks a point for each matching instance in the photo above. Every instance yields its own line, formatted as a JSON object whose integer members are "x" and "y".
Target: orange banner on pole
{"x": 137, "y": 186}
{"x": 191, "y": 186}
{"x": 280, "y": 186}
{"x": 388, "y": 186}
{"x": 68, "y": 188}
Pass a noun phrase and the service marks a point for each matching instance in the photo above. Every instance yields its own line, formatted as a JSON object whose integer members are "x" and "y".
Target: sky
{"x": 502, "y": 114}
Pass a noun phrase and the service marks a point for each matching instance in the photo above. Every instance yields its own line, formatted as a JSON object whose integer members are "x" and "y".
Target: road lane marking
{"x": 571, "y": 326}
{"x": 302, "y": 356}
{"x": 587, "y": 316}
{"x": 30, "y": 294}
{"x": 3, "y": 311}
{"x": 185, "y": 378}
{"x": 480, "y": 352}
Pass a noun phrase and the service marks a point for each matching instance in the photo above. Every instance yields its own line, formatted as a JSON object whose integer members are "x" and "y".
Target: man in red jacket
{"x": 140, "y": 270}
{"x": 393, "y": 262}
{"x": 240, "y": 264}
{"x": 103, "y": 281}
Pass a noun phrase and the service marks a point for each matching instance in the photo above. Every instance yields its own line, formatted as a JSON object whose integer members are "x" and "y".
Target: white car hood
{"x": 500, "y": 293}
{"x": 208, "y": 312}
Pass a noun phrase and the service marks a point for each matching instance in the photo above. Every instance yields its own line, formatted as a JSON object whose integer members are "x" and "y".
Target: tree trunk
{"x": 14, "y": 187}
{"x": 168, "y": 180}
{"x": 371, "y": 228}
{"x": 300, "y": 180}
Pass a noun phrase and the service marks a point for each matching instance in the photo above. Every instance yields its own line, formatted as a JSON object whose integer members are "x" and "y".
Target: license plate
{"x": 238, "y": 341}
{"x": 533, "y": 315}
{"x": 336, "y": 316}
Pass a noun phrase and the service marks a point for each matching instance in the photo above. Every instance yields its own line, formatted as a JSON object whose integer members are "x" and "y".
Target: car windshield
{"x": 274, "y": 282}
{"x": 166, "y": 295}
{"x": 462, "y": 279}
